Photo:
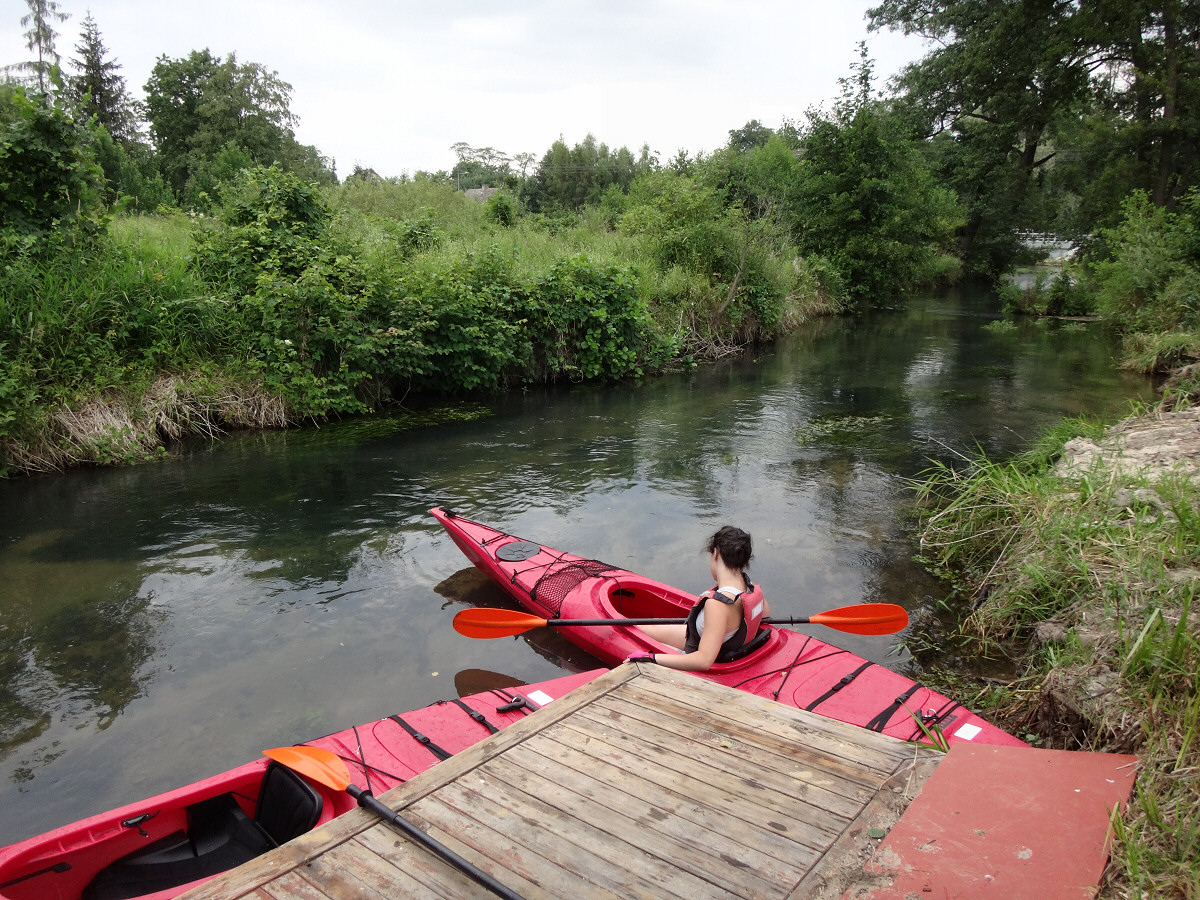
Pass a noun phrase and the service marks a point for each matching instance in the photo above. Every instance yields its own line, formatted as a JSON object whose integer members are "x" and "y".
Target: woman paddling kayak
{"x": 714, "y": 631}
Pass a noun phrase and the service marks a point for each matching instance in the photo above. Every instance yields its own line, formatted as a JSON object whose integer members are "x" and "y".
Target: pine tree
{"x": 40, "y": 38}
{"x": 99, "y": 88}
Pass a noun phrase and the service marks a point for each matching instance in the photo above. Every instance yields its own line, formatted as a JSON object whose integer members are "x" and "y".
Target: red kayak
{"x": 165, "y": 845}
{"x": 793, "y": 668}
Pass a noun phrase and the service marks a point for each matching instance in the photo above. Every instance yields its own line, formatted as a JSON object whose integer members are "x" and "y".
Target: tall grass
{"x": 1091, "y": 582}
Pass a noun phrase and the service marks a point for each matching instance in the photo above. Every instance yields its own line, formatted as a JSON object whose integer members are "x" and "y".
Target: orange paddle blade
{"x": 315, "y": 763}
{"x": 488, "y": 622}
{"x": 864, "y": 618}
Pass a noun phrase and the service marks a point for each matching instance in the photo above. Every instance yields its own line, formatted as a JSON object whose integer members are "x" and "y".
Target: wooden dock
{"x": 644, "y": 783}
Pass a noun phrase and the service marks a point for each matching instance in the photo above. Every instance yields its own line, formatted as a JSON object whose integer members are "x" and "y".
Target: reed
{"x": 1089, "y": 583}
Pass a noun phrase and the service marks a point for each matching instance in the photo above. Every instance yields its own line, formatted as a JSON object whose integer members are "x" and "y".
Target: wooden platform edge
{"x": 840, "y": 868}
{"x": 248, "y": 878}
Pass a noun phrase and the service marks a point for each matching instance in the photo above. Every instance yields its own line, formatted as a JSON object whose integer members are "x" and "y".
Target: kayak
{"x": 165, "y": 845}
{"x": 780, "y": 664}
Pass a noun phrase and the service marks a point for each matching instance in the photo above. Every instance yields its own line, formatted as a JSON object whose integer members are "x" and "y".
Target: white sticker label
{"x": 542, "y": 698}
{"x": 967, "y": 732}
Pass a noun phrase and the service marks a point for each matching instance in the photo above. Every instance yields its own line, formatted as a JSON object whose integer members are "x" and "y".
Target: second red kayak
{"x": 162, "y": 846}
{"x": 797, "y": 669}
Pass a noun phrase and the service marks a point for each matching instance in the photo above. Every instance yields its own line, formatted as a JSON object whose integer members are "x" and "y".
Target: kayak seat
{"x": 761, "y": 638}
{"x": 220, "y": 836}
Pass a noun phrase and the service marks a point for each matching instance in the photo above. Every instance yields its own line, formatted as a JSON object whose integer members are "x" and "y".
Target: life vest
{"x": 753, "y": 602}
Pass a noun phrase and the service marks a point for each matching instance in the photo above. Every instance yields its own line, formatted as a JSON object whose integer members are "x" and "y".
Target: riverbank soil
{"x": 1085, "y": 577}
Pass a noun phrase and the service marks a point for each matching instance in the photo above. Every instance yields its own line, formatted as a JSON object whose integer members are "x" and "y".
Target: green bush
{"x": 50, "y": 185}
{"x": 1151, "y": 280}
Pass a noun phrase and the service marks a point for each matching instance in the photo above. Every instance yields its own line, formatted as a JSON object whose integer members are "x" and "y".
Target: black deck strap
{"x": 474, "y": 714}
{"x": 845, "y": 680}
{"x": 421, "y": 739}
{"x": 884, "y": 716}
{"x": 939, "y": 716}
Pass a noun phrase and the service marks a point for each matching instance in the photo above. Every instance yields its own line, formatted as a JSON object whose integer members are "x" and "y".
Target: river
{"x": 162, "y": 623}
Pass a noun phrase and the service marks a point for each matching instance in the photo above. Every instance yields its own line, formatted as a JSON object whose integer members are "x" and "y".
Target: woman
{"x": 715, "y": 629}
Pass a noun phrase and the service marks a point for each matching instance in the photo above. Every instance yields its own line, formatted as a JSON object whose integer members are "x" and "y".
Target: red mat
{"x": 1006, "y": 823}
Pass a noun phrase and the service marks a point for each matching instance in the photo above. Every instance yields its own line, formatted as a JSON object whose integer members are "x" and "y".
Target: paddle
{"x": 325, "y": 767}
{"x": 862, "y": 618}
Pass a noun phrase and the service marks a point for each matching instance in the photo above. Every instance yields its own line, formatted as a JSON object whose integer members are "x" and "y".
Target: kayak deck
{"x": 165, "y": 845}
{"x": 793, "y": 668}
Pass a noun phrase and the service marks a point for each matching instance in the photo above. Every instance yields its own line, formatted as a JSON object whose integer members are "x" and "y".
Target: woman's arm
{"x": 719, "y": 619}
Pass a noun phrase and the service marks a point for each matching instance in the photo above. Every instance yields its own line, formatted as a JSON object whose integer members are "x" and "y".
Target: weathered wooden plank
{"x": 667, "y": 774}
{"x": 433, "y": 876}
{"x": 644, "y": 783}
{"x": 769, "y": 787}
{"x": 840, "y": 868}
{"x": 264, "y": 894}
{"x": 728, "y": 865}
{"x": 763, "y": 752}
{"x": 402, "y": 869}
{"x": 856, "y": 747}
{"x": 337, "y": 881}
{"x": 288, "y": 886}
{"x": 245, "y": 878}
{"x": 575, "y": 848}
{"x": 756, "y": 837}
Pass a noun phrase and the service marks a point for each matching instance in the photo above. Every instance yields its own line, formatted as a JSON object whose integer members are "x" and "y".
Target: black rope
{"x": 363, "y": 756}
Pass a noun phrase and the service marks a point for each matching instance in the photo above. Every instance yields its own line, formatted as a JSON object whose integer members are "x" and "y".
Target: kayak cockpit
{"x": 632, "y": 597}
{"x": 219, "y": 836}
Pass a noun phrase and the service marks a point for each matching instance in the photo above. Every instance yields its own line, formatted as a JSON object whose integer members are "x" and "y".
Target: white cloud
{"x": 392, "y": 85}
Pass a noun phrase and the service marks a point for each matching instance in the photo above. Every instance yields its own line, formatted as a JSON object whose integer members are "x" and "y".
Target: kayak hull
{"x": 797, "y": 669}
{"x": 67, "y": 863}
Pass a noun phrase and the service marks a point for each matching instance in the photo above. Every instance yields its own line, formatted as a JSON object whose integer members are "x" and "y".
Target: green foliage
{"x": 570, "y": 178}
{"x": 1151, "y": 282}
{"x": 743, "y": 259}
{"x": 865, "y": 198}
{"x": 502, "y": 208}
{"x": 587, "y": 322}
{"x": 49, "y": 181}
{"x": 99, "y": 89}
{"x": 210, "y": 117}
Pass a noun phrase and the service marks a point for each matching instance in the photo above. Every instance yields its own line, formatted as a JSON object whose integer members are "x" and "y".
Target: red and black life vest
{"x": 752, "y": 613}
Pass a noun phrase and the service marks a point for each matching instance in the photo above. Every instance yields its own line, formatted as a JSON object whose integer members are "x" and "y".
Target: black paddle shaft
{"x": 566, "y": 623}
{"x": 367, "y": 800}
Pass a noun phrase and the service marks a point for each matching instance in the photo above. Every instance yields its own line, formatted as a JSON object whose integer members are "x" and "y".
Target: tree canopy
{"x": 210, "y": 117}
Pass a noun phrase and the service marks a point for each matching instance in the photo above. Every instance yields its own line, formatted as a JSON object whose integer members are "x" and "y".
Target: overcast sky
{"x": 392, "y": 84}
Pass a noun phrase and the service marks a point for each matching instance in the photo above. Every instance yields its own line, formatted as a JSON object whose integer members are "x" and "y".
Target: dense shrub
{"x": 1151, "y": 280}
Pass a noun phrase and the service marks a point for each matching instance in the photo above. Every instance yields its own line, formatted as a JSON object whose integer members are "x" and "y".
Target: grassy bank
{"x": 1086, "y": 580}
{"x": 297, "y": 304}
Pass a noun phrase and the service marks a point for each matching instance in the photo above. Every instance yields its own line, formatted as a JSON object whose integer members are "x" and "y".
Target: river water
{"x": 162, "y": 623}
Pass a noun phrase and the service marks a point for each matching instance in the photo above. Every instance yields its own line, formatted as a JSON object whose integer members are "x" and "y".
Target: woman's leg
{"x": 671, "y": 635}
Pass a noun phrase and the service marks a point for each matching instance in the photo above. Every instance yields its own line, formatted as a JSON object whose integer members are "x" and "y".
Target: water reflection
{"x": 163, "y": 623}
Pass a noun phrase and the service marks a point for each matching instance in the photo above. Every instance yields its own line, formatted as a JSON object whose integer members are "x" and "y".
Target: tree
{"x": 753, "y": 134}
{"x": 40, "y": 38}
{"x": 1002, "y": 72}
{"x": 568, "y": 178}
{"x": 201, "y": 106}
{"x": 478, "y": 166}
{"x": 99, "y": 88}
{"x": 866, "y": 199}
{"x": 1151, "y": 79}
